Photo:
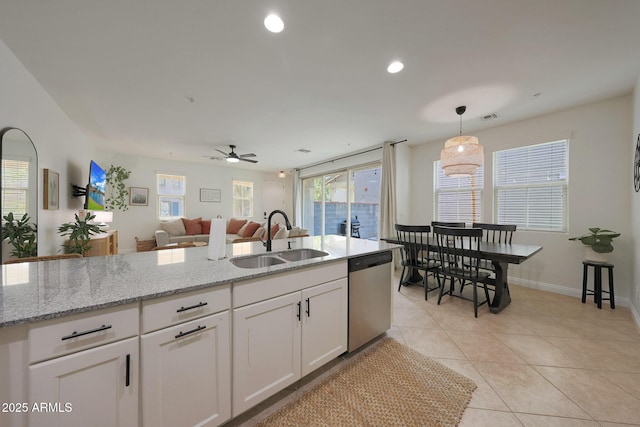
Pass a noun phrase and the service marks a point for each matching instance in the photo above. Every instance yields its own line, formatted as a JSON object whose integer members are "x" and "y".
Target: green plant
{"x": 117, "y": 196}
{"x": 79, "y": 233}
{"x": 21, "y": 235}
{"x": 599, "y": 239}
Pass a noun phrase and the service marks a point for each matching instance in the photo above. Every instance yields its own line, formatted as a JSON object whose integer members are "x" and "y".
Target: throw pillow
{"x": 283, "y": 233}
{"x": 174, "y": 228}
{"x": 274, "y": 230}
{"x": 206, "y": 227}
{"x": 235, "y": 225}
{"x": 259, "y": 232}
{"x": 295, "y": 231}
{"x": 244, "y": 227}
{"x": 251, "y": 228}
{"x": 192, "y": 226}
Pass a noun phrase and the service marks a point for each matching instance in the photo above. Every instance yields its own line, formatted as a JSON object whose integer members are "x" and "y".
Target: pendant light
{"x": 462, "y": 155}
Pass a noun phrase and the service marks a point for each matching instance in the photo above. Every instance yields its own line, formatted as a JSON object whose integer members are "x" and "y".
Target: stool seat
{"x": 597, "y": 283}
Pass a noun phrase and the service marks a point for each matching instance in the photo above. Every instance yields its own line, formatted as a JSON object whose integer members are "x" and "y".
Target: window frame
{"x": 462, "y": 187}
{"x": 242, "y": 198}
{"x": 180, "y": 197}
{"x": 529, "y": 206}
{"x": 23, "y": 190}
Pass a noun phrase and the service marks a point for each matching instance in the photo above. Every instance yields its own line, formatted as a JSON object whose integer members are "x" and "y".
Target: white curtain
{"x": 388, "y": 216}
{"x": 297, "y": 198}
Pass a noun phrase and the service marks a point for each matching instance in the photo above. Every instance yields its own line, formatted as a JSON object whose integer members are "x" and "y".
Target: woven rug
{"x": 387, "y": 385}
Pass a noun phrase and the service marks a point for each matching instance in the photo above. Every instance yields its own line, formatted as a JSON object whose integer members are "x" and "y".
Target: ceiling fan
{"x": 232, "y": 157}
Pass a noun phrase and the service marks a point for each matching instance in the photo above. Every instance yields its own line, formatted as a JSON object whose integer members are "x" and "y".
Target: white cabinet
{"x": 279, "y": 340}
{"x": 186, "y": 359}
{"x": 84, "y": 369}
{"x": 96, "y": 387}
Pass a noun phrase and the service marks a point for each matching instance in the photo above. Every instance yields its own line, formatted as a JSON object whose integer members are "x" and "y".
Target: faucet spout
{"x": 287, "y": 224}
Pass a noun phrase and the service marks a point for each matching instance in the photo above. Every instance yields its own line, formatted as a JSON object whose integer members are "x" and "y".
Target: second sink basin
{"x": 256, "y": 261}
{"x": 301, "y": 254}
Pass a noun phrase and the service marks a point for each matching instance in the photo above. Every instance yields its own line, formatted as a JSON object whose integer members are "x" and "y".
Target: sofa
{"x": 238, "y": 230}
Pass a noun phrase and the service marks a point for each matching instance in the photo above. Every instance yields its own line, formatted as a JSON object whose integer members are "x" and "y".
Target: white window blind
{"x": 530, "y": 186}
{"x": 15, "y": 187}
{"x": 171, "y": 192}
{"x": 242, "y": 199}
{"x": 458, "y": 199}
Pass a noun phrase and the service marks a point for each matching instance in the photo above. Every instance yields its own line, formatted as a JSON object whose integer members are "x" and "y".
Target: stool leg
{"x": 584, "y": 282}
{"x": 611, "y": 293}
{"x": 598, "y": 278}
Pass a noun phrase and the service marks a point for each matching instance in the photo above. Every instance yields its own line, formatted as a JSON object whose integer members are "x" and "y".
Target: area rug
{"x": 387, "y": 385}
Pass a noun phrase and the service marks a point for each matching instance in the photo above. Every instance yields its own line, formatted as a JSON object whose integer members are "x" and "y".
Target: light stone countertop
{"x": 41, "y": 290}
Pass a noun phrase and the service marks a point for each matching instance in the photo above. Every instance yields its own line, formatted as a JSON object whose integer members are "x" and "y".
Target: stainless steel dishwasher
{"x": 369, "y": 297}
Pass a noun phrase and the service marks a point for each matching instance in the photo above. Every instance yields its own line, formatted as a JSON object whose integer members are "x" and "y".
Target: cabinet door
{"x": 324, "y": 329}
{"x": 266, "y": 349}
{"x": 96, "y": 387}
{"x": 186, "y": 374}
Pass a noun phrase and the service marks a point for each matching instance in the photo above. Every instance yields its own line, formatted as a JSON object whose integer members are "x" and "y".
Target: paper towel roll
{"x": 217, "y": 239}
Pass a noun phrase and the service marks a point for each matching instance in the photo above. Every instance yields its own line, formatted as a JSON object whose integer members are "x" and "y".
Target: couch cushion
{"x": 250, "y": 228}
{"x": 173, "y": 228}
{"x": 192, "y": 226}
{"x": 206, "y": 226}
{"x": 274, "y": 230}
{"x": 244, "y": 227}
{"x": 235, "y": 225}
{"x": 283, "y": 233}
{"x": 259, "y": 232}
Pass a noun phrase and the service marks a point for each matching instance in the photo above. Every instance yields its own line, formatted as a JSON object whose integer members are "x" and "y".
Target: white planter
{"x": 591, "y": 255}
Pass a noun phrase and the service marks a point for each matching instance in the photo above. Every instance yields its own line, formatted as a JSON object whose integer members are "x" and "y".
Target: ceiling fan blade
{"x": 220, "y": 151}
{"x": 247, "y": 160}
{"x": 247, "y": 155}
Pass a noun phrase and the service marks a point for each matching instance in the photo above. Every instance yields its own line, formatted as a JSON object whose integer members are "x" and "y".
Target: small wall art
{"x": 51, "y": 189}
{"x": 138, "y": 196}
{"x": 210, "y": 195}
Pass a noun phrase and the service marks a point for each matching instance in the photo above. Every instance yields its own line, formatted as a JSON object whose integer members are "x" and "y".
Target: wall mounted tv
{"x": 96, "y": 188}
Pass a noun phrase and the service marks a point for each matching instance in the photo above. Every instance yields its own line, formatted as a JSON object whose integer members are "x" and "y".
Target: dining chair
{"x": 459, "y": 255}
{"x": 415, "y": 250}
{"x": 494, "y": 233}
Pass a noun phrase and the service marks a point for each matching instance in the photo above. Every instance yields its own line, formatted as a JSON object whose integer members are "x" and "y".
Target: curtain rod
{"x": 349, "y": 155}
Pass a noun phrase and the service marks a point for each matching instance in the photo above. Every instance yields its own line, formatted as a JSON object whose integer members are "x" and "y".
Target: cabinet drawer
{"x": 171, "y": 310}
{"x": 56, "y": 337}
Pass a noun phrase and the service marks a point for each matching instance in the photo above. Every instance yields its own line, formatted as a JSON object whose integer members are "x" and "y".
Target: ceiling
{"x": 178, "y": 79}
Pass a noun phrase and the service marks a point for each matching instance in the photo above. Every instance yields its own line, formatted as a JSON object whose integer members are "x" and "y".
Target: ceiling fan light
{"x": 232, "y": 160}
{"x": 273, "y": 23}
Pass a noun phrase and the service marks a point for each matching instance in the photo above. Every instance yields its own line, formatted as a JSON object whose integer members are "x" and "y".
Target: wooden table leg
{"x": 502, "y": 298}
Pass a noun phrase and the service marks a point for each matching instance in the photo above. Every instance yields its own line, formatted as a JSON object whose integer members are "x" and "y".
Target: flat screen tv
{"x": 96, "y": 188}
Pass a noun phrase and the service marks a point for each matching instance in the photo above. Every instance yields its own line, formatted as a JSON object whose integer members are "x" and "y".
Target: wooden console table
{"x": 104, "y": 244}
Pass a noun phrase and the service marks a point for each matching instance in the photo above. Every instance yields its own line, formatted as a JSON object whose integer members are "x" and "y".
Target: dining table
{"x": 500, "y": 255}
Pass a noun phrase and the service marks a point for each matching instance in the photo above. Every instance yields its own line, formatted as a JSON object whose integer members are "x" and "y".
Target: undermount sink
{"x": 256, "y": 261}
{"x": 275, "y": 258}
{"x": 301, "y": 254}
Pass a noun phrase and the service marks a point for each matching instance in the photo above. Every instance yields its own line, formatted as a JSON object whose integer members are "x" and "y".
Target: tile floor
{"x": 546, "y": 360}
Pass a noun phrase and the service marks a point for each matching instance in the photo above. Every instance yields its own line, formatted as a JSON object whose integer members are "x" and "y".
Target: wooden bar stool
{"x": 597, "y": 283}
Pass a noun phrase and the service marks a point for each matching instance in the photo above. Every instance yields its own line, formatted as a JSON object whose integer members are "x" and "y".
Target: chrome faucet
{"x": 286, "y": 221}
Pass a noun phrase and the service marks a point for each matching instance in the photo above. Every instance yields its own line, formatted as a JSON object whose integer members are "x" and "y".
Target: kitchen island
{"x": 162, "y": 328}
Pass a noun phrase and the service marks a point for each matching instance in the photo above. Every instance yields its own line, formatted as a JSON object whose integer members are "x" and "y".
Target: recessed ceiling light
{"x": 274, "y": 23}
{"x": 395, "y": 67}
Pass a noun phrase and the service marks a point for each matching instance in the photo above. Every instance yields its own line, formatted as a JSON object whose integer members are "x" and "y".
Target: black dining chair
{"x": 494, "y": 233}
{"x": 415, "y": 250}
{"x": 459, "y": 255}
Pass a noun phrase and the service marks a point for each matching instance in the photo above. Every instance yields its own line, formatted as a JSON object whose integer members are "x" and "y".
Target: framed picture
{"x": 138, "y": 196}
{"x": 210, "y": 195}
{"x": 51, "y": 189}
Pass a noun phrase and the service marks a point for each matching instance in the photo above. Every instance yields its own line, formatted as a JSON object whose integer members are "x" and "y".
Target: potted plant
{"x": 21, "y": 235}
{"x": 79, "y": 233}
{"x": 598, "y": 243}
{"x": 117, "y": 198}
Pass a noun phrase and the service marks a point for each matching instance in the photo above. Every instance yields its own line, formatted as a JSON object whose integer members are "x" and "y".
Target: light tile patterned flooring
{"x": 546, "y": 360}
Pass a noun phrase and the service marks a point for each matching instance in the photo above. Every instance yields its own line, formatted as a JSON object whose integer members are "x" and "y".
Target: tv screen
{"x": 96, "y": 188}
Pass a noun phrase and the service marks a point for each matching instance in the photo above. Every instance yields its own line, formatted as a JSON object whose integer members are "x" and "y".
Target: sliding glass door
{"x": 344, "y": 202}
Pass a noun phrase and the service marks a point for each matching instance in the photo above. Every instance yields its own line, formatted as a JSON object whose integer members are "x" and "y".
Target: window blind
{"x": 171, "y": 192}
{"x": 530, "y": 186}
{"x": 458, "y": 199}
{"x": 15, "y": 187}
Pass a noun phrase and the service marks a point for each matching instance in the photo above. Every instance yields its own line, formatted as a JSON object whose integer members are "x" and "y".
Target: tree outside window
{"x": 242, "y": 199}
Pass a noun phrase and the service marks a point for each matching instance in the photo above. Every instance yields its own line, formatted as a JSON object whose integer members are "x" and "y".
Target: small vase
{"x": 591, "y": 255}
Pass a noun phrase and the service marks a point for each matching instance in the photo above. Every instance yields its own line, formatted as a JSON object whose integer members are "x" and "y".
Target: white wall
{"x": 635, "y": 210}
{"x": 61, "y": 146}
{"x": 598, "y": 190}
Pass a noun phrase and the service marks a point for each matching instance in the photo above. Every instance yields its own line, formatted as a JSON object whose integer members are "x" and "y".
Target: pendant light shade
{"x": 462, "y": 155}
